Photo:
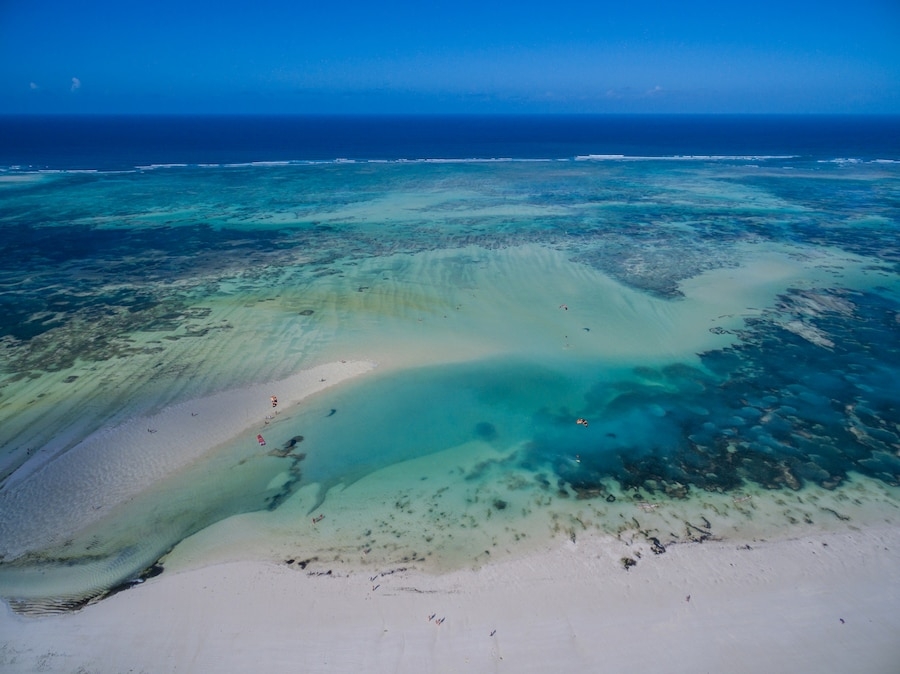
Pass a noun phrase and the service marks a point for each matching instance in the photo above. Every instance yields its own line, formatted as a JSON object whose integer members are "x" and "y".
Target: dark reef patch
{"x": 807, "y": 395}
{"x": 486, "y": 431}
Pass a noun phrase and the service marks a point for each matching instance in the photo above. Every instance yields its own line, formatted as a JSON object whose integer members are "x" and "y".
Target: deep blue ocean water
{"x": 97, "y": 142}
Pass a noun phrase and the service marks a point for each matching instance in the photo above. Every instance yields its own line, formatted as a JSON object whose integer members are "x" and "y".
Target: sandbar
{"x": 43, "y": 505}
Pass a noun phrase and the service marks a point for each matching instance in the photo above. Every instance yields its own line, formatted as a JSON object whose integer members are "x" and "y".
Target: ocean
{"x": 126, "y": 142}
{"x": 663, "y": 329}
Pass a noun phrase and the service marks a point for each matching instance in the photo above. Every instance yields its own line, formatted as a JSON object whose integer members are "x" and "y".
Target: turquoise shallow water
{"x": 729, "y": 330}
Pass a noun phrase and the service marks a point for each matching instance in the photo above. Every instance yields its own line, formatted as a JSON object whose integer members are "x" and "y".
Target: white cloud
{"x": 632, "y": 93}
{"x": 76, "y": 84}
{"x": 33, "y": 86}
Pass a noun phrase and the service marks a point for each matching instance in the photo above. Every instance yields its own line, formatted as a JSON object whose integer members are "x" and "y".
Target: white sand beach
{"x": 823, "y": 603}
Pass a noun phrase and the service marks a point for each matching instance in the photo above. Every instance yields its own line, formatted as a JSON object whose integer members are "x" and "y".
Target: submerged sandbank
{"x": 822, "y": 601}
{"x": 498, "y": 349}
{"x": 113, "y": 464}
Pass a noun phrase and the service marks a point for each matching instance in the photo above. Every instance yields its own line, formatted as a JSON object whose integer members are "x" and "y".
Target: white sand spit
{"x": 113, "y": 464}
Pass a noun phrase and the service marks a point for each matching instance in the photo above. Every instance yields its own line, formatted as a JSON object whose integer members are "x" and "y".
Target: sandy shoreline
{"x": 821, "y": 602}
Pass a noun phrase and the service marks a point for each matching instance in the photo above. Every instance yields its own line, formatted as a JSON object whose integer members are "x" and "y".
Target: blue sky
{"x": 476, "y": 57}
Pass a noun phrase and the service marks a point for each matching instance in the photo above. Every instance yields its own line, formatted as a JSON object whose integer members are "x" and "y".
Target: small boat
{"x": 261, "y": 440}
